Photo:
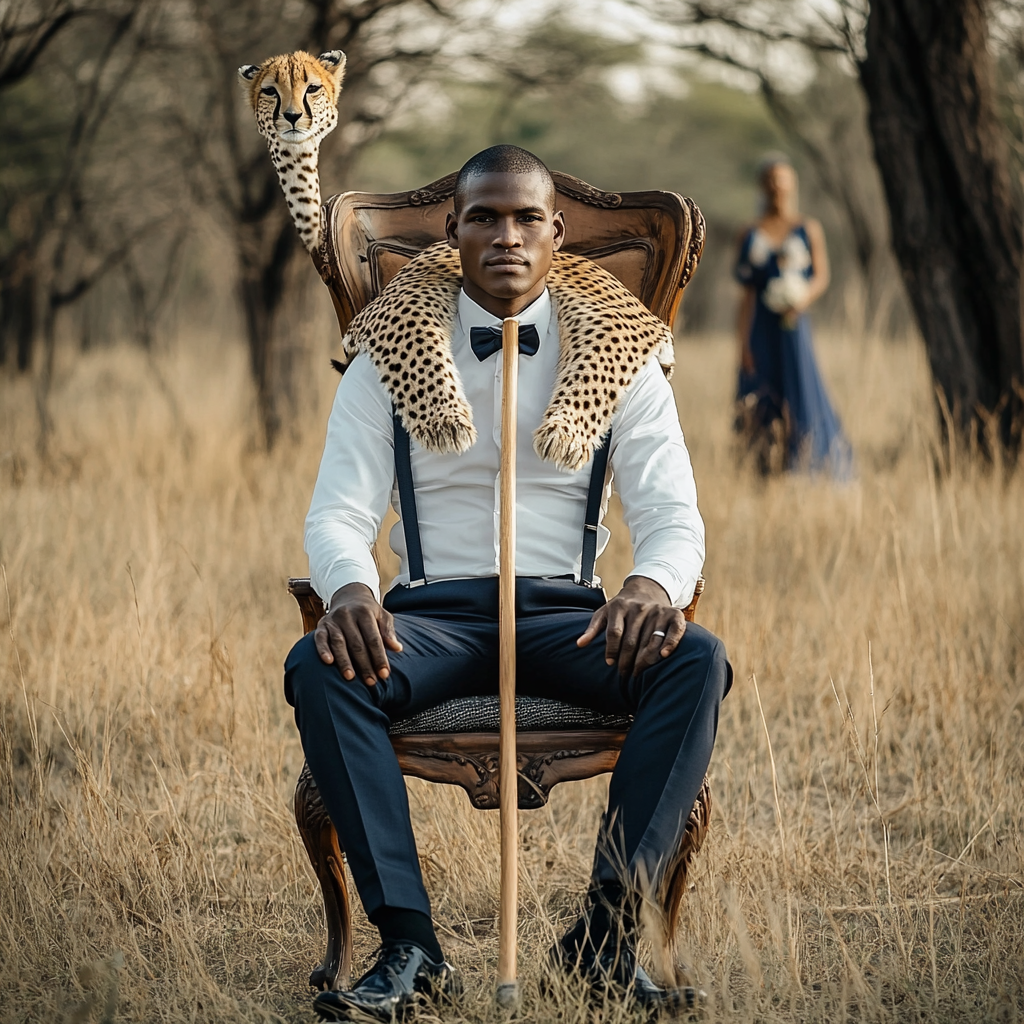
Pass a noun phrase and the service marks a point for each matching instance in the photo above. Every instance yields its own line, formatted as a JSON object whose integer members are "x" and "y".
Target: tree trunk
{"x": 266, "y": 251}
{"x": 17, "y": 311}
{"x": 955, "y": 229}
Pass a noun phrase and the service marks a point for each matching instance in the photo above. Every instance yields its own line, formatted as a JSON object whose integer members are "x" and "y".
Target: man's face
{"x": 506, "y": 234}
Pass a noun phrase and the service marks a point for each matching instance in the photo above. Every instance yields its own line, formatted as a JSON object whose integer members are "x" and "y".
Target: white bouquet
{"x": 784, "y": 292}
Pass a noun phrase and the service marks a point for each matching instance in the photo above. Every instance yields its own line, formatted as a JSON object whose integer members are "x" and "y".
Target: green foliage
{"x": 554, "y": 97}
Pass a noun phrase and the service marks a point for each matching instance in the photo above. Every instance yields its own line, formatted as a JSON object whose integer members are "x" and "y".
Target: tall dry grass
{"x": 866, "y": 856}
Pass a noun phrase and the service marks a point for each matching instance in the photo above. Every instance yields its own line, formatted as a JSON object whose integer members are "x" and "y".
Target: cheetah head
{"x": 295, "y": 100}
{"x": 295, "y": 96}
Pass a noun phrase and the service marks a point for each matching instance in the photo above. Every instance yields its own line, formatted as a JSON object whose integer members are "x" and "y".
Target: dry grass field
{"x": 867, "y": 855}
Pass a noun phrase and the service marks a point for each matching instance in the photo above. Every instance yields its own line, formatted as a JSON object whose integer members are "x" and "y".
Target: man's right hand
{"x": 354, "y": 633}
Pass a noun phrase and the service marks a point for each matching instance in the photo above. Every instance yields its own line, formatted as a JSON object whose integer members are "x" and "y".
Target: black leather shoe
{"x": 616, "y": 973}
{"x": 402, "y": 979}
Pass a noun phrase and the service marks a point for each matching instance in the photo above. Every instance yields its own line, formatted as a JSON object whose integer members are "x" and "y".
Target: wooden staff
{"x": 508, "y": 785}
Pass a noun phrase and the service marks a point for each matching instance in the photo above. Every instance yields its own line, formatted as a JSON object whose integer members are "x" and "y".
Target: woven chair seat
{"x": 482, "y": 714}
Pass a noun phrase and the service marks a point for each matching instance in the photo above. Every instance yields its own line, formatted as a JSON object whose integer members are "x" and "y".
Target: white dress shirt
{"x": 457, "y": 495}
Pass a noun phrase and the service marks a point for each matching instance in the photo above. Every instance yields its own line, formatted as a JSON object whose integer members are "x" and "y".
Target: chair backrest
{"x": 650, "y": 241}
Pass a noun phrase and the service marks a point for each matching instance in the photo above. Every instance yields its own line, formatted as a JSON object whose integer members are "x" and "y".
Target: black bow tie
{"x": 487, "y": 340}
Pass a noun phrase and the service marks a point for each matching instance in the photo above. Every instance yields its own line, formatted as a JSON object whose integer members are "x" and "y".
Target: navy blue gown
{"x": 785, "y": 373}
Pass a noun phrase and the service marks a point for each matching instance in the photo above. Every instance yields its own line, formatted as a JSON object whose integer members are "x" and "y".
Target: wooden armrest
{"x": 690, "y": 611}
{"x": 310, "y": 605}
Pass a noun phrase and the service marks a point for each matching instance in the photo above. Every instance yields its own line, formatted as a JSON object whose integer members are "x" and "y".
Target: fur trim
{"x": 606, "y": 336}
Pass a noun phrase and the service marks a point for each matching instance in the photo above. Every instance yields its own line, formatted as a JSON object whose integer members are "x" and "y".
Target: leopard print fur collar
{"x": 606, "y": 336}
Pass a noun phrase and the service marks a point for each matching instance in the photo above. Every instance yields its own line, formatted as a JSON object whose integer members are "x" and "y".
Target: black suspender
{"x": 592, "y": 517}
{"x": 411, "y": 524}
{"x": 407, "y": 499}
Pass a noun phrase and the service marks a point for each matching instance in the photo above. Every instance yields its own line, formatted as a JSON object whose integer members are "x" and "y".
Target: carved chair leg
{"x": 324, "y": 850}
{"x": 674, "y": 885}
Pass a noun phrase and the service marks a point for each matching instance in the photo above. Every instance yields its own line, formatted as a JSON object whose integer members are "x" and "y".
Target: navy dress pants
{"x": 449, "y": 633}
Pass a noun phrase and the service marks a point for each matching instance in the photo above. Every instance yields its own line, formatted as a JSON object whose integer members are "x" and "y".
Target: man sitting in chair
{"x": 416, "y": 421}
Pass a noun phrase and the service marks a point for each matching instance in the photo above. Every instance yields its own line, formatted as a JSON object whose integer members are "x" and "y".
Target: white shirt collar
{"x": 537, "y": 312}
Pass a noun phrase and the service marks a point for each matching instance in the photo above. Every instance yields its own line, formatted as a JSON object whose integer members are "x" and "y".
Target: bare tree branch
{"x": 727, "y": 16}
{"x": 25, "y": 32}
{"x": 806, "y": 27}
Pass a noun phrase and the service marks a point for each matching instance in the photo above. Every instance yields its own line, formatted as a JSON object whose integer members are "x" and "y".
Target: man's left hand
{"x": 641, "y": 626}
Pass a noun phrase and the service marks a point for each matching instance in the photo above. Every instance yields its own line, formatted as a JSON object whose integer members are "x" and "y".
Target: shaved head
{"x": 502, "y": 160}
{"x": 505, "y": 227}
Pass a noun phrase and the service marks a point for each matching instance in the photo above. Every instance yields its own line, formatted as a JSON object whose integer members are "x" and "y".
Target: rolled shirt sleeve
{"x": 654, "y": 478}
{"x": 353, "y": 485}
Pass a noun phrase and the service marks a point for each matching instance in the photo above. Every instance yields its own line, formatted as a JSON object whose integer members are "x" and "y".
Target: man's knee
{"x": 701, "y": 656}
{"x": 311, "y": 683}
{"x": 721, "y": 668}
{"x": 710, "y": 652}
{"x": 301, "y": 669}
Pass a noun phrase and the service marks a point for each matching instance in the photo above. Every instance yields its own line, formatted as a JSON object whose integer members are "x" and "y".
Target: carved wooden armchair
{"x": 652, "y": 242}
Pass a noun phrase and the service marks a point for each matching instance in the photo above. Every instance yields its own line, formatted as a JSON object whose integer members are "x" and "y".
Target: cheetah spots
{"x": 407, "y": 333}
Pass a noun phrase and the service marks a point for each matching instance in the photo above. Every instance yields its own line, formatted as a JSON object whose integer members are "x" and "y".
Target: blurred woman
{"x": 783, "y": 267}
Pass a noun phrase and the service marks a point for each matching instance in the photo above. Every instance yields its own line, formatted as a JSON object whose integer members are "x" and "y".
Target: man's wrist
{"x": 349, "y": 592}
{"x": 645, "y": 589}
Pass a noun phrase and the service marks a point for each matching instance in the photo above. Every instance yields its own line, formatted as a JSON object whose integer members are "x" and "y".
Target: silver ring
{"x": 658, "y": 632}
